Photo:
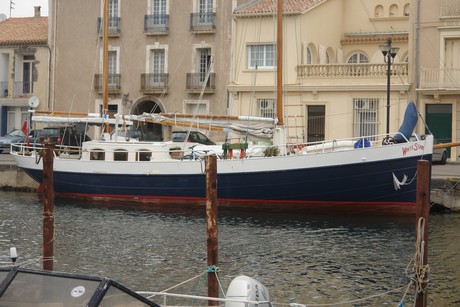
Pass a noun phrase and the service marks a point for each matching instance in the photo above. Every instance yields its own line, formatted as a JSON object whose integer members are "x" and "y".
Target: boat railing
{"x": 165, "y": 151}
{"x": 346, "y": 143}
{"x": 36, "y": 149}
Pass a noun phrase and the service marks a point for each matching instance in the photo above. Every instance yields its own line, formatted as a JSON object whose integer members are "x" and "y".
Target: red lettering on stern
{"x": 414, "y": 147}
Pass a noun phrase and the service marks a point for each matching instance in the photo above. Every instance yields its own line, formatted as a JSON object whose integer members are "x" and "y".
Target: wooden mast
{"x": 105, "y": 64}
{"x": 279, "y": 63}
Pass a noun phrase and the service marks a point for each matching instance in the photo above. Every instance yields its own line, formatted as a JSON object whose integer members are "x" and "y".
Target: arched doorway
{"x": 150, "y": 131}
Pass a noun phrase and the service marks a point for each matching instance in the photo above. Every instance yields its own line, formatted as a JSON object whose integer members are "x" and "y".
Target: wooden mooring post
{"x": 48, "y": 207}
{"x": 422, "y": 218}
{"x": 211, "y": 223}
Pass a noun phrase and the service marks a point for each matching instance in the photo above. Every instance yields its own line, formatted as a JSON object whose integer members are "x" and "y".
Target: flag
{"x": 24, "y": 127}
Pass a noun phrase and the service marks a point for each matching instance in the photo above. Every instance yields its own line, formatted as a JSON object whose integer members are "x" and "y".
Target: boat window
{"x": 120, "y": 155}
{"x": 97, "y": 154}
{"x": 143, "y": 155}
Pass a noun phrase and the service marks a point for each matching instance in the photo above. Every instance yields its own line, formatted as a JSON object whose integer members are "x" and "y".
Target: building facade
{"x": 334, "y": 73}
{"x": 435, "y": 70}
{"x": 164, "y": 56}
{"x": 24, "y": 68}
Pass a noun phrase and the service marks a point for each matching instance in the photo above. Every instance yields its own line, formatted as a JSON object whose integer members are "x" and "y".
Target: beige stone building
{"x": 24, "y": 68}
{"x": 334, "y": 74}
{"x": 160, "y": 53}
{"x": 435, "y": 68}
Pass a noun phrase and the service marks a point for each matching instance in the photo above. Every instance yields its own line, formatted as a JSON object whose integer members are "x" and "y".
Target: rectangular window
{"x": 267, "y": 107}
{"x": 206, "y": 11}
{"x": 113, "y": 8}
{"x": 113, "y": 68}
{"x": 365, "y": 117}
{"x": 158, "y": 7}
{"x": 158, "y": 12}
{"x": 261, "y": 56}
{"x": 114, "y": 24}
{"x": 158, "y": 67}
{"x": 204, "y": 63}
{"x": 315, "y": 123}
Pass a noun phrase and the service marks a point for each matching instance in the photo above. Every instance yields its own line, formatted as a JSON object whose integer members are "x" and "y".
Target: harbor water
{"x": 305, "y": 259}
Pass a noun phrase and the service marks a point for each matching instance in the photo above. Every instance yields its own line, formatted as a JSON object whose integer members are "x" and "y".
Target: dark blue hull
{"x": 364, "y": 187}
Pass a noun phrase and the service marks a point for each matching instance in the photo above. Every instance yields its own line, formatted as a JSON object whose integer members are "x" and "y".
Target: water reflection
{"x": 299, "y": 258}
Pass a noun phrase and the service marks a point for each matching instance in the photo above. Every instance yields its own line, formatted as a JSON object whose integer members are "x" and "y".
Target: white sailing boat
{"x": 338, "y": 176}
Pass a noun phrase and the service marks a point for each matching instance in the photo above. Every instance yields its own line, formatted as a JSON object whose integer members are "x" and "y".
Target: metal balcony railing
{"x": 114, "y": 25}
{"x": 114, "y": 83}
{"x": 444, "y": 78}
{"x": 23, "y": 88}
{"x": 197, "y": 82}
{"x": 366, "y": 70}
{"x": 156, "y": 23}
{"x": 203, "y": 21}
{"x": 3, "y": 89}
{"x": 154, "y": 83}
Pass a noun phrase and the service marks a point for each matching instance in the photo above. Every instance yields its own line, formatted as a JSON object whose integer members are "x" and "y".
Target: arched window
{"x": 356, "y": 69}
{"x": 309, "y": 58}
{"x": 378, "y": 12}
{"x": 393, "y": 10}
{"x": 358, "y": 58}
{"x": 407, "y": 9}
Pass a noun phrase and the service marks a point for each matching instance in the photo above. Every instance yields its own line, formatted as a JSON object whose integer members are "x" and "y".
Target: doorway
{"x": 439, "y": 122}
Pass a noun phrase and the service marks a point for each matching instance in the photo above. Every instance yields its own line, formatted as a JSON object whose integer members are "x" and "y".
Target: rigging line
{"x": 433, "y": 52}
{"x": 213, "y": 45}
{"x": 368, "y": 14}
{"x": 174, "y": 72}
{"x": 95, "y": 69}
{"x": 255, "y": 71}
{"x": 297, "y": 30}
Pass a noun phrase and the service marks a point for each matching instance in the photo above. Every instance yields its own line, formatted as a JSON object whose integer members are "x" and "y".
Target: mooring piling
{"x": 211, "y": 223}
{"x": 48, "y": 207}
{"x": 422, "y": 218}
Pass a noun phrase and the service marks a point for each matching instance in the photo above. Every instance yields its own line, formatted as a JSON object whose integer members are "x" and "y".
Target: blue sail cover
{"x": 408, "y": 125}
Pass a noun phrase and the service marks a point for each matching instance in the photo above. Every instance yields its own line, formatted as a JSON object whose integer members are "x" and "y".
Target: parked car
{"x": 33, "y": 136}
{"x": 139, "y": 135}
{"x": 439, "y": 155}
{"x": 193, "y": 136}
{"x": 62, "y": 135}
{"x": 15, "y": 136}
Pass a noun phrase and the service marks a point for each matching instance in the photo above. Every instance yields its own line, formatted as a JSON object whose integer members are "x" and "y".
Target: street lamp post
{"x": 389, "y": 53}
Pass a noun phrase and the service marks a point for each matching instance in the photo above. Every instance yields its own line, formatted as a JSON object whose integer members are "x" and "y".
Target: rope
{"x": 344, "y": 302}
{"x": 420, "y": 269}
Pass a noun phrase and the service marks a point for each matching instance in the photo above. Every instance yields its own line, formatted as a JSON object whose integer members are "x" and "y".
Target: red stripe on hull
{"x": 145, "y": 202}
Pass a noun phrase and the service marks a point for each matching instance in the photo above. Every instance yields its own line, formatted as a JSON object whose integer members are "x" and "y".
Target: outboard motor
{"x": 247, "y": 289}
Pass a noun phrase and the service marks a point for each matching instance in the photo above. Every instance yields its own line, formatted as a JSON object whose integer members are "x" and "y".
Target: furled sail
{"x": 258, "y": 127}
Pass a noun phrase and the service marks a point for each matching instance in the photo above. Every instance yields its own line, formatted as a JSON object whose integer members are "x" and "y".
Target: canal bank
{"x": 445, "y": 181}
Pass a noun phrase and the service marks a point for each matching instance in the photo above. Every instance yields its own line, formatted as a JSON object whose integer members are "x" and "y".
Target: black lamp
{"x": 389, "y": 53}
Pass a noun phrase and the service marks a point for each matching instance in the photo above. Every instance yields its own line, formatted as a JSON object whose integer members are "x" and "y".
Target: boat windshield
{"x": 24, "y": 287}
